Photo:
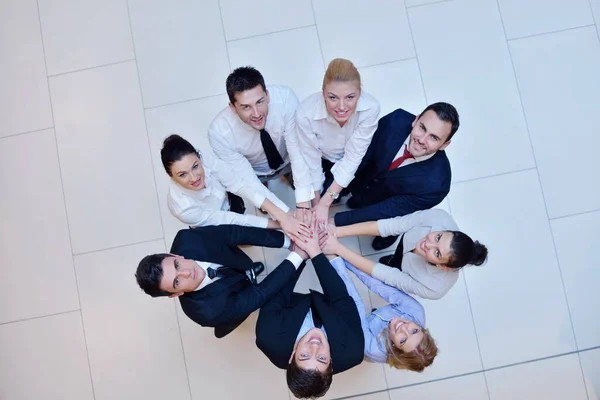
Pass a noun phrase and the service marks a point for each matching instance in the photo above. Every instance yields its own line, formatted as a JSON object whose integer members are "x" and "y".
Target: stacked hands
{"x": 313, "y": 235}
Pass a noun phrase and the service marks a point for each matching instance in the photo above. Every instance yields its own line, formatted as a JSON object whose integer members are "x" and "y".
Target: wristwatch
{"x": 333, "y": 194}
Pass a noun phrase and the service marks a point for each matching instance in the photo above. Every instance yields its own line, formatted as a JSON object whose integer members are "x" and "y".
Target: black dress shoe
{"x": 380, "y": 243}
{"x": 255, "y": 271}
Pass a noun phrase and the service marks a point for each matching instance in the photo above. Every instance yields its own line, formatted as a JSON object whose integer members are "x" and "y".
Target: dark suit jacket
{"x": 280, "y": 319}
{"x": 379, "y": 193}
{"x": 227, "y": 302}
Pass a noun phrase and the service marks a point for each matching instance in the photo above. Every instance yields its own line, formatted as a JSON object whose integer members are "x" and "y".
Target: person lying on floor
{"x": 213, "y": 279}
{"x": 429, "y": 257}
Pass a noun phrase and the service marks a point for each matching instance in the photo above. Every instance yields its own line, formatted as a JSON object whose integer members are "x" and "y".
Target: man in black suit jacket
{"x": 420, "y": 177}
{"x": 312, "y": 335}
{"x": 225, "y": 300}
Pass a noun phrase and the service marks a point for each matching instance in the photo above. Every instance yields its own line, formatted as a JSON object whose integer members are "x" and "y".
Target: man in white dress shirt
{"x": 256, "y": 132}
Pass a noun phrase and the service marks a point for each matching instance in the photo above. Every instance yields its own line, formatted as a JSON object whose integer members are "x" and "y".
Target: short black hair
{"x": 242, "y": 79}
{"x": 447, "y": 113}
{"x": 308, "y": 383}
{"x": 465, "y": 251}
{"x": 149, "y": 273}
{"x": 174, "y": 149}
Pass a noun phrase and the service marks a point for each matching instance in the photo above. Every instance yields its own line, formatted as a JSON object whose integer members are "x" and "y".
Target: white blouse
{"x": 320, "y": 136}
{"x": 210, "y": 206}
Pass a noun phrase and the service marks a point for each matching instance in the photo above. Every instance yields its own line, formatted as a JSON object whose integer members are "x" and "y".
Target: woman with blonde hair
{"x": 334, "y": 130}
{"x": 394, "y": 334}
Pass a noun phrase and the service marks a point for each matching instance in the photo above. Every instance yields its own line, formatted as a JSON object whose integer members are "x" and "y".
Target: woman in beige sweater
{"x": 429, "y": 256}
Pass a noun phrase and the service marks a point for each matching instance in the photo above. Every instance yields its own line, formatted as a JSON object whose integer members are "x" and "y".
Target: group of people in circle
{"x": 391, "y": 171}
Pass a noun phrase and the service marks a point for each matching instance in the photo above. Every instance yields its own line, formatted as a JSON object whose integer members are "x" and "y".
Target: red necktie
{"x": 400, "y": 159}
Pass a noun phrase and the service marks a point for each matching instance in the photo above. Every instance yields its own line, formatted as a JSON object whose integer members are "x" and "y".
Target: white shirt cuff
{"x": 295, "y": 259}
{"x": 340, "y": 176}
{"x": 304, "y": 194}
{"x": 258, "y": 199}
{"x": 286, "y": 242}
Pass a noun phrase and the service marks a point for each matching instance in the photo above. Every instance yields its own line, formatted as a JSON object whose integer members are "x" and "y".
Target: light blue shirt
{"x": 308, "y": 324}
{"x": 401, "y": 305}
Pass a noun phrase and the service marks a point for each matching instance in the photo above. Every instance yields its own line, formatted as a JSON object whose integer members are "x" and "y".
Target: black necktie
{"x": 221, "y": 272}
{"x": 316, "y": 318}
{"x": 273, "y": 157}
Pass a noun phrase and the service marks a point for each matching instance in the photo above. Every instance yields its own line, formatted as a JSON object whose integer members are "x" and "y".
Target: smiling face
{"x": 405, "y": 334}
{"x": 180, "y": 275}
{"x": 428, "y": 135}
{"x": 252, "y": 106}
{"x": 188, "y": 172}
{"x": 435, "y": 247}
{"x": 312, "y": 351}
{"x": 341, "y": 99}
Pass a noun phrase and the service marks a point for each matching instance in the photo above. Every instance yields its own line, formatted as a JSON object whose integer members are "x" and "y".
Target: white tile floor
{"x": 89, "y": 89}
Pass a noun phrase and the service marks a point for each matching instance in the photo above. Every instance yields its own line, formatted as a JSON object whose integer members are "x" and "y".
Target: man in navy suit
{"x": 405, "y": 168}
{"x": 214, "y": 280}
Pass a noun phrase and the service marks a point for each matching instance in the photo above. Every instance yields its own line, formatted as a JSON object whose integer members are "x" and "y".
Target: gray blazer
{"x": 417, "y": 277}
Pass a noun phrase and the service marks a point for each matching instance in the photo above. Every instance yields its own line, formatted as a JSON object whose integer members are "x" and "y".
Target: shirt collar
{"x": 241, "y": 123}
{"x": 206, "y": 281}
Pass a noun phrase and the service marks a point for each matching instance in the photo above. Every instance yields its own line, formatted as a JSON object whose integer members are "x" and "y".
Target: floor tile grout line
{"x": 184, "y": 101}
{"x": 89, "y": 68}
{"x": 62, "y": 186}
{"x": 548, "y": 33}
{"x": 560, "y": 273}
{"x": 139, "y": 79}
{"x": 187, "y": 375}
{"x": 589, "y": 349}
{"x": 484, "y": 370}
{"x": 575, "y": 214}
{"x": 312, "y": 7}
{"x": 28, "y": 132}
{"x": 39, "y": 317}
{"x": 487, "y": 388}
{"x": 266, "y": 33}
{"x": 83, "y": 253}
{"x": 387, "y": 384}
{"x": 389, "y": 62}
{"x": 414, "y": 43}
{"x": 224, "y": 34}
{"x": 583, "y": 376}
{"x": 428, "y": 4}
{"x": 495, "y": 175}
{"x": 594, "y": 19}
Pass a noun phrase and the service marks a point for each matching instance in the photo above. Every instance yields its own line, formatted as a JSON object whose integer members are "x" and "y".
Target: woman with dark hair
{"x": 429, "y": 256}
{"x": 204, "y": 191}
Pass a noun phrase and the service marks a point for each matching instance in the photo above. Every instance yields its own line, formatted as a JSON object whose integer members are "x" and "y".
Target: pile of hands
{"x": 312, "y": 236}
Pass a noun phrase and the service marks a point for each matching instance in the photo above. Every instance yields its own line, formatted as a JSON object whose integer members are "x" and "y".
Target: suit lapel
{"x": 392, "y": 145}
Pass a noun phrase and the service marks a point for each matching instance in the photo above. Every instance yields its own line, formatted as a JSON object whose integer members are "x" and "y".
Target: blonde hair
{"x": 341, "y": 70}
{"x": 422, "y": 356}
